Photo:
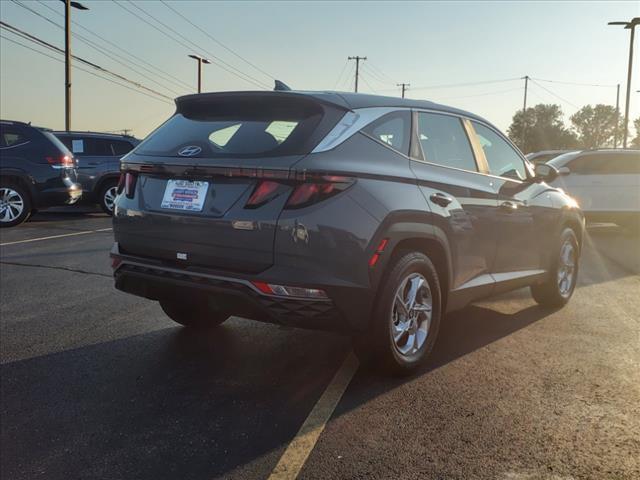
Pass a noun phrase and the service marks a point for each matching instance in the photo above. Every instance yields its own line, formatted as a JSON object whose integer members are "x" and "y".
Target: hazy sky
{"x": 305, "y": 44}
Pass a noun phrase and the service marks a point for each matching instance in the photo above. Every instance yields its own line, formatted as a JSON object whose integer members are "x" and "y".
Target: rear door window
{"x": 12, "y": 136}
{"x": 587, "y": 165}
{"x": 121, "y": 147}
{"x": 503, "y": 160}
{"x": 393, "y": 130}
{"x": 619, "y": 164}
{"x": 444, "y": 141}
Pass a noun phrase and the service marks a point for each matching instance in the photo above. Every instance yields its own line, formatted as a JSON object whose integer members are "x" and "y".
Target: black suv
{"x": 365, "y": 214}
{"x": 36, "y": 171}
{"x": 98, "y": 162}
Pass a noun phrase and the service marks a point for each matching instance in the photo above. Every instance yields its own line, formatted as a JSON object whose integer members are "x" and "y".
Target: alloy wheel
{"x": 411, "y": 315}
{"x": 11, "y": 205}
{"x": 110, "y": 197}
{"x": 566, "y": 267}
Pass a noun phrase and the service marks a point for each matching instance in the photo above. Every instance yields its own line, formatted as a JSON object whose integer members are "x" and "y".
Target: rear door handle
{"x": 441, "y": 199}
{"x": 509, "y": 207}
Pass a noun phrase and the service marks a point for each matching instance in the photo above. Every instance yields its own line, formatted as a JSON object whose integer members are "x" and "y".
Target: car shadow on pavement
{"x": 180, "y": 404}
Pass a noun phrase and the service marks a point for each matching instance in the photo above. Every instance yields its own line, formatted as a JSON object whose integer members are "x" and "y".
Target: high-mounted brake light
{"x": 288, "y": 291}
{"x": 61, "y": 161}
{"x": 264, "y": 191}
{"x": 315, "y": 190}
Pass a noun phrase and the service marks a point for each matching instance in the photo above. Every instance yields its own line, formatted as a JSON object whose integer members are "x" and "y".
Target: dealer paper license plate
{"x": 185, "y": 195}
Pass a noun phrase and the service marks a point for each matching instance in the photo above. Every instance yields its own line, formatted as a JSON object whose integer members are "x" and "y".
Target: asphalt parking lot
{"x": 99, "y": 384}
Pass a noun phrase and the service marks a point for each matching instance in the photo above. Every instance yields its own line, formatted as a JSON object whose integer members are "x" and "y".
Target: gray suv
{"x": 364, "y": 214}
{"x": 98, "y": 159}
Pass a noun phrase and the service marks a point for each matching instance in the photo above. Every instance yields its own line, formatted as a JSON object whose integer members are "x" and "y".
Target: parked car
{"x": 98, "y": 158}
{"x": 36, "y": 171}
{"x": 359, "y": 213}
{"x": 544, "y": 155}
{"x": 605, "y": 182}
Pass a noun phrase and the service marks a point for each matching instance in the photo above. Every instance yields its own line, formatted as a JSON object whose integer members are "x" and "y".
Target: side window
{"x": 503, "y": 160}
{"x": 587, "y": 165}
{"x": 12, "y": 136}
{"x": 620, "y": 164}
{"x": 392, "y": 129}
{"x": 444, "y": 141}
{"x": 121, "y": 147}
{"x": 98, "y": 147}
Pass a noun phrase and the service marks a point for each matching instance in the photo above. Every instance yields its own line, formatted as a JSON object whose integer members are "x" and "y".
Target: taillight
{"x": 130, "y": 184}
{"x": 121, "y": 182}
{"x": 264, "y": 191}
{"x": 314, "y": 191}
{"x": 61, "y": 161}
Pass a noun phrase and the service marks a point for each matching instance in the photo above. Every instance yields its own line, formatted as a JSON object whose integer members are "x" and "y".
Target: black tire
{"x": 550, "y": 293}
{"x": 194, "y": 313}
{"x": 13, "y": 194}
{"x": 107, "y": 188}
{"x": 379, "y": 346}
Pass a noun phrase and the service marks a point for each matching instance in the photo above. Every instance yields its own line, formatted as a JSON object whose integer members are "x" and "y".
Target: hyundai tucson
{"x": 364, "y": 214}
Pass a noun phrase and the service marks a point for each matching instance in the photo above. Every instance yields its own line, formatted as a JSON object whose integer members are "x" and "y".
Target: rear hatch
{"x": 208, "y": 186}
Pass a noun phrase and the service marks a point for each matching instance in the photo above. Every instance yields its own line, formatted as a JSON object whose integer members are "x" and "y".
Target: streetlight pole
{"x": 629, "y": 26}
{"x": 67, "y": 59}
{"x": 200, "y": 60}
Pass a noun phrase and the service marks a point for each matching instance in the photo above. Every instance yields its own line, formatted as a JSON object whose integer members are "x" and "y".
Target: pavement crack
{"x": 67, "y": 269}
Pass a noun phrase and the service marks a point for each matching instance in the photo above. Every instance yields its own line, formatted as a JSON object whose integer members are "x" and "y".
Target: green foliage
{"x": 635, "y": 143}
{"x": 596, "y": 126}
{"x": 541, "y": 128}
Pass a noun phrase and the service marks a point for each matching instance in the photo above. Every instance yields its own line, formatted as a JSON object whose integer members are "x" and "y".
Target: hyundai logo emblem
{"x": 189, "y": 151}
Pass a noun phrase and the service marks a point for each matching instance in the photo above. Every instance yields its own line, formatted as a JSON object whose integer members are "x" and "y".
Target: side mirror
{"x": 564, "y": 171}
{"x": 545, "y": 172}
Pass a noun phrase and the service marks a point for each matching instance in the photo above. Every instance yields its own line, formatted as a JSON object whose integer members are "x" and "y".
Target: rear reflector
{"x": 376, "y": 256}
{"x": 286, "y": 291}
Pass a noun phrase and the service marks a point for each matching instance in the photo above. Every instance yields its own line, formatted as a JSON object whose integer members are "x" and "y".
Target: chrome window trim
{"x": 15, "y": 145}
{"x": 351, "y": 123}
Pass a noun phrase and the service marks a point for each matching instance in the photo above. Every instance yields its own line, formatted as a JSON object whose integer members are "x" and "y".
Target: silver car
{"x": 605, "y": 182}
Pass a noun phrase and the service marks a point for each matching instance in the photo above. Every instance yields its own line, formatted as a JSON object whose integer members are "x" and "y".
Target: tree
{"x": 541, "y": 128}
{"x": 635, "y": 143}
{"x": 596, "y": 126}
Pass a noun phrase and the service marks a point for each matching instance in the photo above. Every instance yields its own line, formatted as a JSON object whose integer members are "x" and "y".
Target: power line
{"x": 221, "y": 63}
{"x": 465, "y": 84}
{"x": 574, "y": 83}
{"x": 374, "y": 75}
{"x": 34, "y": 39}
{"x": 519, "y": 89}
{"x": 344, "y": 67}
{"x": 364, "y": 79}
{"x": 216, "y": 40}
{"x": 97, "y": 47}
{"x": 555, "y": 95}
{"x": 83, "y": 69}
{"x": 156, "y": 70}
{"x": 380, "y": 72}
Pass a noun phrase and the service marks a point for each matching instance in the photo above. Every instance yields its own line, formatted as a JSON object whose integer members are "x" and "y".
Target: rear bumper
{"x": 156, "y": 280}
{"x": 53, "y": 197}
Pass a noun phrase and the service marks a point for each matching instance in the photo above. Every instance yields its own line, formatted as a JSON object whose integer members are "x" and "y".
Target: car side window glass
{"x": 444, "y": 141}
{"x": 99, "y": 147}
{"x": 393, "y": 130}
{"x": 503, "y": 160}
{"x": 11, "y": 137}
{"x": 587, "y": 165}
{"x": 121, "y": 147}
{"x": 620, "y": 164}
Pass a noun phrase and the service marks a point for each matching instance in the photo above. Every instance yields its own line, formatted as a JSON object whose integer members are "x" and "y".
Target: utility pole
{"x": 615, "y": 132}
{"x": 404, "y": 87}
{"x": 524, "y": 111}
{"x": 357, "y": 59}
{"x": 628, "y": 26}
{"x": 67, "y": 59}
{"x": 200, "y": 60}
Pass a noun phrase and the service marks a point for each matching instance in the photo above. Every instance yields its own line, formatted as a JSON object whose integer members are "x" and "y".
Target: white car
{"x": 605, "y": 183}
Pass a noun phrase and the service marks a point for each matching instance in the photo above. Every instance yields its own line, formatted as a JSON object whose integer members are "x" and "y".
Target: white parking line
{"x": 56, "y": 236}
{"x": 296, "y": 454}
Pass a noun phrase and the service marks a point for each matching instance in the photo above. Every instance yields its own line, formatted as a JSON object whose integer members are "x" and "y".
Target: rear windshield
{"x": 238, "y": 129}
